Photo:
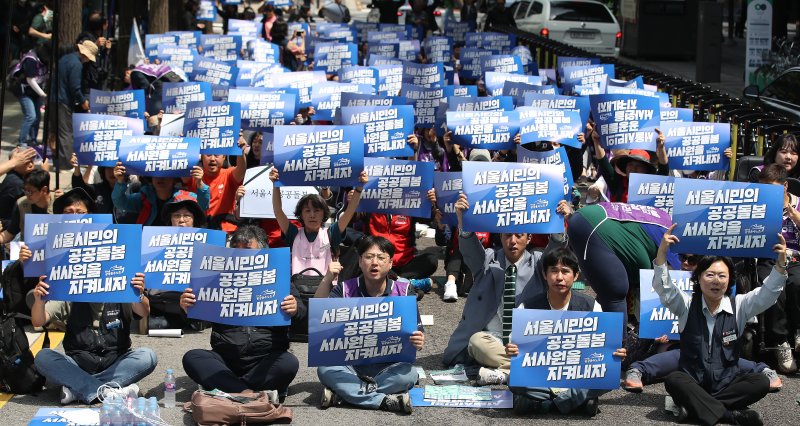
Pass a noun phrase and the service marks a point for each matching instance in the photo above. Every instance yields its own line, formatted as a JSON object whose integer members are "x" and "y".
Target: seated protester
{"x": 785, "y": 152}
{"x": 223, "y": 182}
{"x": 782, "y": 320}
{"x": 101, "y": 191}
{"x": 181, "y": 211}
{"x": 97, "y": 343}
{"x": 246, "y": 358}
{"x": 152, "y": 197}
{"x": 502, "y": 277}
{"x": 270, "y": 226}
{"x": 654, "y": 368}
{"x": 382, "y": 386}
{"x": 310, "y": 247}
{"x": 38, "y": 199}
{"x": 616, "y": 171}
{"x": 560, "y": 268}
{"x": 709, "y": 386}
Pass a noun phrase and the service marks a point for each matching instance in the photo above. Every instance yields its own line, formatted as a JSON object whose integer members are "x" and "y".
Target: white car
{"x": 585, "y": 24}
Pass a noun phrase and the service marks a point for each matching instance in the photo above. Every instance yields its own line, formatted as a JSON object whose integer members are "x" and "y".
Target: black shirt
{"x": 10, "y": 192}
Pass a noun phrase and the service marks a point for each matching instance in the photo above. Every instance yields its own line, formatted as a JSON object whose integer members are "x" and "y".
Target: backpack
{"x": 15, "y": 78}
{"x": 17, "y": 372}
{"x": 220, "y": 408}
{"x": 307, "y": 286}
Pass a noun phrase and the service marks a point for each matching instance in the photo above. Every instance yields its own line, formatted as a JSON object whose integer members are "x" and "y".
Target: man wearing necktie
{"x": 505, "y": 275}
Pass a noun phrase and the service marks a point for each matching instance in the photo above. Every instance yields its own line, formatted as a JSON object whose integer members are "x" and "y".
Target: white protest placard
{"x": 172, "y": 125}
{"x": 257, "y": 200}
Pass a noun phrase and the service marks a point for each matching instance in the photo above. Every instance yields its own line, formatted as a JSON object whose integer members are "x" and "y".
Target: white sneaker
{"x": 67, "y": 396}
{"x": 450, "y": 292}
{"x": 489, "y": 376}
{"x": 120, "y": 393}
{"x": 786, "y": 363}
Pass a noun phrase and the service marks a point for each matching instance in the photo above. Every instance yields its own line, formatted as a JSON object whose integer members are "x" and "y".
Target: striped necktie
{"x": 509, "y": 296}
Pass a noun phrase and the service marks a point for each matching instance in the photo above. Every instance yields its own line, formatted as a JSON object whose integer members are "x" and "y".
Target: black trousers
{"x": 208, "y": 369}
{"x": 709, "y": 409}
{"x": 422, "y": 265}
{"x": 783, "y": 318}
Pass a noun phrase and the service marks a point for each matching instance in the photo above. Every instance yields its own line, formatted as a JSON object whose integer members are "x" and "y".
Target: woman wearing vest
{"x": 310, "y": 247}
{"x": 246, "y": 358}
{"x": 381, "y": 386}
{"x": 709, "y": 386}
{"x": 560, "y": 268}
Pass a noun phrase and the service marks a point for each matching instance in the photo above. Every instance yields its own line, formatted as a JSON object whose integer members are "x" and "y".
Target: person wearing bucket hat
{"x": 74, "y": 201}
{"x": 71, "y": 97}
{"x": 183, "y": 210}
{"x": 617, "y": 170}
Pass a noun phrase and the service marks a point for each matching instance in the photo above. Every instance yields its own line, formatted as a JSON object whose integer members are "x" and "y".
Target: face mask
{"x": 48, "y": 16}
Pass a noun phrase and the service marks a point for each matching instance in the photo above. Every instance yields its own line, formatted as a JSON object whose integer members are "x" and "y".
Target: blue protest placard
{"x": 262, "y": 52}
{"x": 160, "y": 156}
{"x": 97, "y": 136}
{"x": 187, "y": 38}
{"x": 652, "y": 190}
{"x": 125, "y": 103}
{"x": 485, "y": 103}
{"x": 176, "y": 56}
{"x": 557, "y": 157}
{"x": 385, "y": 36}
{"x": 219, "y": 93}
{"x": 500, "y": 398}
{"x": 327, "y": 97}
{"x": 61, "y": 415}
{"x": 359, "y": 75}
{"x": 471, "y": 62}
{"x": 655, "y": 319}
{"x": 588, "y": 75}
{"x": 390, "y": 79}
{"x": 438, "y": 49}
{"x": 461, "y": 91}
{"x": 513, "y": 197}
{"x": 175, "y": 96}
{"x": 331, "y": 57}
{"x": 697, "y": 146}
{"x": 35, "y": 233}
{"x": 213, "y": 71}
{"x": 406, "y": 29}
{"x": 225, "y": 48}
{"x": 425, "y": 102}
{"x": 382, "y": 60}
{"x": 685, "y": 115}
{"x": 240, "y": 286}
{"x": 361, "y": 330}
{"x": 626, "y": 121}
{"x": 727, "y": 218}
{"x": 492, "y": 130}
{"x": 566, "y": 349}
{"x": 634, "y": 83}
{"x": 494, "y": 41}
{"x": 92, "y": 262}
{"x": 448, "y": 186}
{"x": 529, "y": 64}
{"x": 244, "y": 27}
{"x": 152, "y": 41}
{"x": 408, "y": 50}
{"x": 518, "y": 91}
{"x": 319, "y": 155}
{"x": 397, "y": 187}
{"x": 424, "y": 75}
{"x": 379, "y": 50}
{"x": 363, "y": 28}
{"x": 580, "y": 104}
{"x": 386, "y": 128}
{"x": 571, "y": 61}
{"x": 261, "y": 110}
{"x": 495, "y": 80}
{"x": 342, "y": 34}
{"x": 167, "y": 253}
{"x": 587, "y": 90}
{"x": 207, "y": 11}
{"x": 216, "y": 124}
{"x": 663, "y": 97}
{"x": 551, "y": 125}
{"x": 300, "y": 80}
{"x": 507, "y": 64}
{"x": 458, "y": 31}
{"x": 249, "y": 72}
{"x": 362, "y": 100}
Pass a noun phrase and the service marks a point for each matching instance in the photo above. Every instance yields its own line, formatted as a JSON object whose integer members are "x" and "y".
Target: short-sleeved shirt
{"x": 58, "y": 311}
{"x": 334, "y": 235}
{"x": 222, "y": 190}
{"x": 39, "y": 24}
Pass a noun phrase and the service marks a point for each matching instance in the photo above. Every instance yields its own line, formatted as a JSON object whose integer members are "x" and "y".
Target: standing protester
{"x": 31, "y": 75}
{"x": 71, "y": 97}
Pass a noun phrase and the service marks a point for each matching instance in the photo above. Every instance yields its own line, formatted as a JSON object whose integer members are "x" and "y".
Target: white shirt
{"x": 747, "y": 305}
{"x": 495, "y": 326}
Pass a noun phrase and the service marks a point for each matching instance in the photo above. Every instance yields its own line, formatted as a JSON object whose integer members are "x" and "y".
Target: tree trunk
{"x": 69, "y": 23}
{"x": 175, "y": 14}
{"x": 159, "y": 16}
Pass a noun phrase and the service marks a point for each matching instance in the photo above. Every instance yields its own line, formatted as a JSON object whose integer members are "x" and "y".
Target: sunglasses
{"x": 689, "y": 258}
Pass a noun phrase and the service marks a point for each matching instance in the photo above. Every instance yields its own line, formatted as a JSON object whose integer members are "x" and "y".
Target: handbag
{"x": 221, "y": 408}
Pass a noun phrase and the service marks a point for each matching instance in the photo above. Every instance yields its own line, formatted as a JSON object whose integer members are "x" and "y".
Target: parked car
{"x": 781, "y": 96}
{"x": 586, "y": 24}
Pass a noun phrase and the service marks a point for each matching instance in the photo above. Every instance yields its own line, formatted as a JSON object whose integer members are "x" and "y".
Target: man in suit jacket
{"x": 478, "y": 336}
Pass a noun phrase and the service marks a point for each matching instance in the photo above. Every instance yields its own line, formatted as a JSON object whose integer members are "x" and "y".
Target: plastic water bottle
{"x": 141, "y": 418}
{"x": 169, "y": 389}
{"x": 153, "y": 408}
{"x": 105, "y": 414}
{"x": 116, "y": 415}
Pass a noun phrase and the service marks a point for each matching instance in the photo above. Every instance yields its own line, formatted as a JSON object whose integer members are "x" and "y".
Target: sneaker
{"x": 273, "y": 396}
{"x": 329, "y": 398}
{"x": 424, "y": 284}
{"x": 524, "y": 405}
{"x": 786, "y": 364}
{"x": 400, "y": 403}
{"x": 775, "y": 383}
{"x": 796, "y": 337}
{"x": 67, "y": 397}
{"x": 633, "y": 381}
{"x": 489, "y": 376}
{"x": 119, "y": 393}
{"x": 591, "y": 407}
{"x": 450, "y": 292}
{"x": 748, "y": 417}
{"x": 683, "y": 415}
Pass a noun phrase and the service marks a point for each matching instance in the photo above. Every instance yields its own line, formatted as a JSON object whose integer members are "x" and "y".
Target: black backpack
{"x": 17, "y": 372}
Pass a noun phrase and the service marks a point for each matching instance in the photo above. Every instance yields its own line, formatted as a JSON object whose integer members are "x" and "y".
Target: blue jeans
{"x": 658, "y": 366}
{"x": 61, "y": 369}
{"x": 393, "y": 379}
{"x": 566, "y": 401}
{"x": 32, "y": 114}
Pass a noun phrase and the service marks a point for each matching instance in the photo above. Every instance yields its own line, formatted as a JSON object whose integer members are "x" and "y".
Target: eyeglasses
{"x": 179, "y": 216}
{"x": 381, "y": 258}
{"x": 29, "y": 192}
{"x": 688, "y": 258}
